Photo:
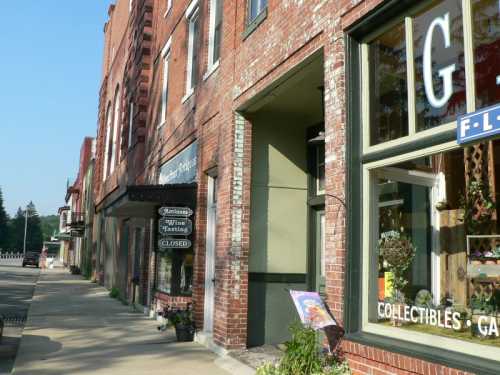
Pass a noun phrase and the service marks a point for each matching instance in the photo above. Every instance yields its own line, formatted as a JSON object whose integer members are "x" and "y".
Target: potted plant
{"x": 182, "y": 320}
{"x": 397, "y": 252}
{"x": 483, "y": 304}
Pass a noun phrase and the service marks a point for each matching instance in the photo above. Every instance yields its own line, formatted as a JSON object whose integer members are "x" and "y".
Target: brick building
{"x": 76, "y": 216}
{"x": 302, "y": 135}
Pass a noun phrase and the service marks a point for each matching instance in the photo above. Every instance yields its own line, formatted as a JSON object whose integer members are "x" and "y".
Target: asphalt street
{"x": 16, "y": 290}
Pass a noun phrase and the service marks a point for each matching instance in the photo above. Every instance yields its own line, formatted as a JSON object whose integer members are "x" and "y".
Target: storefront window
{"x": 423, "y": 211}
{"x": 439, "y": 64}
{"x": 388, "y": 86}
{"x": 486, "y": 26}
{"x": 174, "y": 272}
{"x": 436, "y": 246}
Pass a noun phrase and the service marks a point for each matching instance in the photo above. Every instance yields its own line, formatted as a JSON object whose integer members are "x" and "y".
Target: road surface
{"x": 16, "y": 290}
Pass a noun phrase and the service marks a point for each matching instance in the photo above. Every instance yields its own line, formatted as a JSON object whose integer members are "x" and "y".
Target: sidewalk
{"x": 74, "y": 327}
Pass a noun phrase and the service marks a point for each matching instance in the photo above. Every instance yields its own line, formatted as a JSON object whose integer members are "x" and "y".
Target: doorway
{"x": 405, "y": 201}
{"x": 287, "y": 199}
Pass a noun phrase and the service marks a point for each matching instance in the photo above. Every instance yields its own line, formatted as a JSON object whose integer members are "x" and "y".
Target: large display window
{"x": 427, "y": 266}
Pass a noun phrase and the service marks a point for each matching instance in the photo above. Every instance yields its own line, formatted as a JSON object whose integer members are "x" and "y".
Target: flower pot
{"x": 184, "y": 333}
{"x": 475, "y": 262}
{"x": 491, "y": 262}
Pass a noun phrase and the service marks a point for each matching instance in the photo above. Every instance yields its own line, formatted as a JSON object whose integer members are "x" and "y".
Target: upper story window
{"x": 169, "y": 6}
{"x": 214, "y": 40}
{"x": 106, "y": 142}
{"x": 193, "y": 18}
{"x": 130, "y": 123}
{"x": 164, "y": 91}
{"x": 115, "y": 150}
{"x": 255, "y": 7}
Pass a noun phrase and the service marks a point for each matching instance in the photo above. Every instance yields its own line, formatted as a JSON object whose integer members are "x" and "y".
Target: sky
{"x": 50, "y": 73}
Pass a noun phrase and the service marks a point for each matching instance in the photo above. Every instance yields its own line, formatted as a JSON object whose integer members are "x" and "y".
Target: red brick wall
{"x": 365, "y": 360}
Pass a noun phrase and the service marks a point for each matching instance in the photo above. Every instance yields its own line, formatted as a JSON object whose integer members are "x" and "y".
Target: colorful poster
{"x": 311, "y": 309}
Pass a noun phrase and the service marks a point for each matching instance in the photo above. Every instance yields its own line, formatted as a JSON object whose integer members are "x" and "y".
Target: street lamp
{"x": 26, "y": 215}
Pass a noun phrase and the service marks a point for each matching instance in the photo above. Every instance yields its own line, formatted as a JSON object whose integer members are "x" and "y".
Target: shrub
{"x": 303, "y": 357}
{"x": 114, "y": 293}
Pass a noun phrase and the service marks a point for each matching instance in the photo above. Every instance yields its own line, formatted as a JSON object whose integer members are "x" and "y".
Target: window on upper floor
{"x": 106, "y": 142}
{"x": 255, "y": 8}
{"x": 130, "y": 123}
{"x": 193, "y": 18}
{"x": 115, "y": 150}
{"x": 164, "y": 90}
{"x": 214, "y": 40}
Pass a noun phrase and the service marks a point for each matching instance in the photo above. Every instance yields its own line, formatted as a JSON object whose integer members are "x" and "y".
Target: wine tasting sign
{"x": 175, "y": 226}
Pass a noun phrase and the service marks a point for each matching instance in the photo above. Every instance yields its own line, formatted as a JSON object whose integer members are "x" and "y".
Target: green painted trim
{"x": 385, "y": 12}
{"x": 432, "y": 354}
{"x": 429, "y": 141}
{"x": 352, "y": 311}
{"x": 282, "y": 278}
{"x": 252, "y": 26}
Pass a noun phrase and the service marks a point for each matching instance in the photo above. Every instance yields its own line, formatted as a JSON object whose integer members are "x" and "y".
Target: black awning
{"x": 143, "y": 200}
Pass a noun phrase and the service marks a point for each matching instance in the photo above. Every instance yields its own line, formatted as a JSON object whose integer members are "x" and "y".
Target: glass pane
{"x": 388, "y": 86}
{"x": 163, "y": 273}
{"x": 486, "y": 19}
{"x": 439, "y": 64}
{"x": 404, "y": 210}
{"x": 435, "y": 267}
{"x": 254, "y": 9}
{"x": 194, "y": 63}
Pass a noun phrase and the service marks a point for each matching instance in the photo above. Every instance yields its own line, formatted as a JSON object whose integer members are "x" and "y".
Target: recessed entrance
{"x": 287, "y": 199}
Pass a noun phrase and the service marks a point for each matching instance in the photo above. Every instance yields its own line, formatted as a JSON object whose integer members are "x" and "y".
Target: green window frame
{"x": 361, "y": 157}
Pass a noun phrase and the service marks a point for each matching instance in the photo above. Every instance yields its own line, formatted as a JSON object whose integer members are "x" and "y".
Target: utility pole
{"x": 25, "y": 228}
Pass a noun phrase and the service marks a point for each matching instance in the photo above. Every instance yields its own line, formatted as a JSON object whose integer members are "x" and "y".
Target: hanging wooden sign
{"x": 173, "y": 243}
{"x": 175, "y": 226}
{"x": 175, "y": 211}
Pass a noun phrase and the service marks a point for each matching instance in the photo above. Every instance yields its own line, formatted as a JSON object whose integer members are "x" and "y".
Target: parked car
{"x": 32, "y": 259}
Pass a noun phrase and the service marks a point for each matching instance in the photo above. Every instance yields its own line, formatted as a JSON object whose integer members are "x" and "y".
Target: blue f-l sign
{"x": 479, "y": 125}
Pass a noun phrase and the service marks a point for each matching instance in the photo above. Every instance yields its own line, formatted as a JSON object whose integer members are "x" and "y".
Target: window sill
{"x": 252, "y": 26}
{"x": 187, "y": 96}
{"x": 210, "y": 70}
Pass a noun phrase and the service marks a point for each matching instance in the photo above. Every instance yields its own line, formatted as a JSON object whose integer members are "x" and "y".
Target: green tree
{"x": 50, "y": 224}
{"x": 17, "y": 231}
{"x": 34, "y": 235}
{"x": 4, "y": 225}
